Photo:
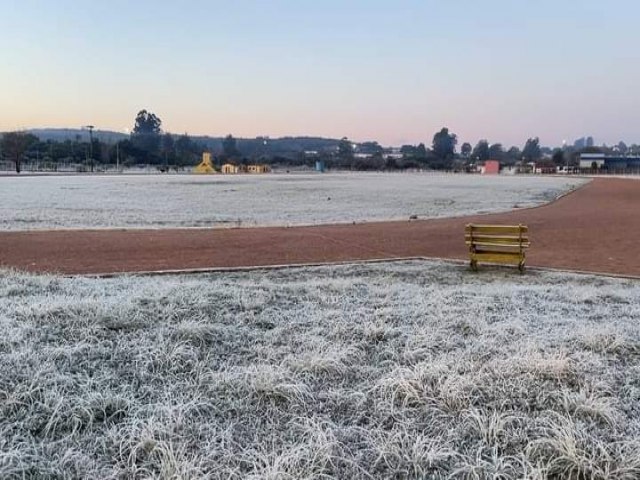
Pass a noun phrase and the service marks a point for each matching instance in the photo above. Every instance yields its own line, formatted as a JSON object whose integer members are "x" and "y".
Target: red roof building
{"x": 490, "y": 167}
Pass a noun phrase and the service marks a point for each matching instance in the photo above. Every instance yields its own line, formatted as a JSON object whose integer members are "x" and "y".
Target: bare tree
{"x": 15, "y": 144}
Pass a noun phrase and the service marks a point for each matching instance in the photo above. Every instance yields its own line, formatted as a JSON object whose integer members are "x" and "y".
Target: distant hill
{"x": 283, "y": 146}
{"x": 62, "y": 134}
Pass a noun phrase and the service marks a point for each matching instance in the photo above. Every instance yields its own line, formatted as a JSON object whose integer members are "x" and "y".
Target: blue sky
{"x": 391, "y": 71}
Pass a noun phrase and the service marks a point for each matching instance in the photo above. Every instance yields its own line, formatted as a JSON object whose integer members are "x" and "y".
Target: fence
{"x": 66, "y": 168}
{"x": 609, "y": 171}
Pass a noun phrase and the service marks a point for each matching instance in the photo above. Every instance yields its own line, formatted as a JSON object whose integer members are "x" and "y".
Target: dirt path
{"x": 596, "y": 228}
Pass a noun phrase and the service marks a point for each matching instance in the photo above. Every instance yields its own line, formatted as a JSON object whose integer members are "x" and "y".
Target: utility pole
{"x": 90, "y": 128}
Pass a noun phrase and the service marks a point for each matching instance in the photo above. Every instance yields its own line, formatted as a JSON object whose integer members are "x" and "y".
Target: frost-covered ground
{"x": 396, "y": 370}
{"x": 246, "y": 200}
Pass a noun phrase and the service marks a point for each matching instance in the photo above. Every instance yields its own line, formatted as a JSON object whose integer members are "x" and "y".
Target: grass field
{"x": 396, "y": 370}
{"x": 246, "y": 200}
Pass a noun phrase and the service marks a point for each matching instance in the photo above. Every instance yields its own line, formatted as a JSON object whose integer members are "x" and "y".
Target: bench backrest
{"x": 496, "y": 237}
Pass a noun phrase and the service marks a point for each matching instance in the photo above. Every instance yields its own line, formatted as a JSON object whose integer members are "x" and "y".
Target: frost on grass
{"x": 250, "y": 200}
{"x": 397, "y": 370}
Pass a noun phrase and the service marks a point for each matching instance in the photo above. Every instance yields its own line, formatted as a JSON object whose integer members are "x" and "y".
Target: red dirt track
{"x": 596, "y": 228}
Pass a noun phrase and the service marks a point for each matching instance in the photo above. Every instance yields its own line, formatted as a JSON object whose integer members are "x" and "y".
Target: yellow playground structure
{"x": 205, "y": 166}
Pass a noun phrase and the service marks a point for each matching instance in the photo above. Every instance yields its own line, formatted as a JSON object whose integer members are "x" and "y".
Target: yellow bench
{"x": 504, "y": 244}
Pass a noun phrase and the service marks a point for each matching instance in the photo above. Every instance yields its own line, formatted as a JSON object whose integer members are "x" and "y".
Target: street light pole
{"x": 90, "y": 128}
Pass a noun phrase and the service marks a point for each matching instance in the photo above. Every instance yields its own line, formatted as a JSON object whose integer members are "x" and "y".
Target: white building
{"x": 587, "y": 160}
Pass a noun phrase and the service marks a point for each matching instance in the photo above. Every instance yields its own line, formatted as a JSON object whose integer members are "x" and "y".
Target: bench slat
{"x": 496, "y": 229}
{"x": 499, "y": 244}
{"x": 495, "y": 257}
{"x": 486, "y": 235}
{"x": 502, "y": 240}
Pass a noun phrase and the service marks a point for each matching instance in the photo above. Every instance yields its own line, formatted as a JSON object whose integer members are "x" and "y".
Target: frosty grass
{"x": 396, "y": 370}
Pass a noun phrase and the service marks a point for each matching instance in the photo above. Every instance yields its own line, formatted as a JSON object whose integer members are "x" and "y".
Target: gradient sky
{"x": 393, "y": 71}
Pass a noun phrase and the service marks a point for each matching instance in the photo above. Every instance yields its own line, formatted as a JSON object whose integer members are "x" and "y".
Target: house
{"x": 592, "y": 160}
{"x": 564, "y": 169}
{"x": 510, "y": 170}
{"x": 490, "y": 167}
{"x": 392, "y": 153}
{"x": 205, "y": 166}
{"x": 597, "y": 161}
{"x": 544, "y": 166}
{"x": 229, "y": 168}
{"x": 620, "y": 162}
{"x": 258, "y": 168}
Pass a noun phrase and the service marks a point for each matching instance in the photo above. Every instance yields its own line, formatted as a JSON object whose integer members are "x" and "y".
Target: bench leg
{"x": 521, "y": 267}
{"x": 474, "y": 265}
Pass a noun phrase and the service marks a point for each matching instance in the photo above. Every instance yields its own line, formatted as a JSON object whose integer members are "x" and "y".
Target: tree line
{"x": 148, "y": 144}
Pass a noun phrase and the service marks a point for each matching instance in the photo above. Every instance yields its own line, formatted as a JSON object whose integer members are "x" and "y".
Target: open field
{"x": 53, "y": 202}
{"x": 396, "y": 370}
